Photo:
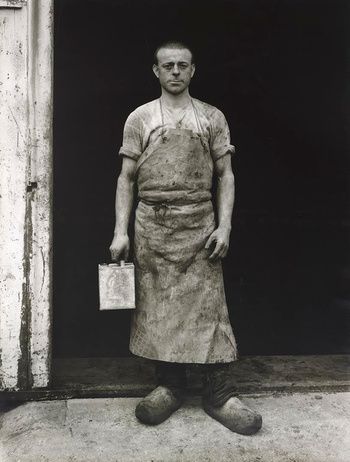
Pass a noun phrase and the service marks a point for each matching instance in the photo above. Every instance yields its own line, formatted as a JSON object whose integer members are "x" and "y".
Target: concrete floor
{"x": 311, "y": 427}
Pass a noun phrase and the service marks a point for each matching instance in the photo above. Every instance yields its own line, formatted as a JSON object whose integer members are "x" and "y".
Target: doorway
{"x": 287, "y": 274}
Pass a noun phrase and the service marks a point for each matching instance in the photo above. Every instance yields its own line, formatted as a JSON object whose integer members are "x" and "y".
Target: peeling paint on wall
{"x": 40, "y": 116}
{"x": 13, "y": 170}
{"x": 25, "y": 195}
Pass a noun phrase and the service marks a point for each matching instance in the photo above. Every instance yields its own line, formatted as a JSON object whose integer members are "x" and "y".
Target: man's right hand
{"x": 119, "y": 248}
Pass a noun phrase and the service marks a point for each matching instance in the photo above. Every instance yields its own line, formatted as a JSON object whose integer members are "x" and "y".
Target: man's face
{"x": 174, "y": 69}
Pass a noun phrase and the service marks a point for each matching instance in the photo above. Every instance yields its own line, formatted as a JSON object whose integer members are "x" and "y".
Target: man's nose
{"x": 176, "y": 70}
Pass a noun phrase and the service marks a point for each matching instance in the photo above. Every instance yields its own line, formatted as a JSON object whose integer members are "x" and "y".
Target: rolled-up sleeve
{"x": 132, "y": 137}
{"x": 220, "y": 142}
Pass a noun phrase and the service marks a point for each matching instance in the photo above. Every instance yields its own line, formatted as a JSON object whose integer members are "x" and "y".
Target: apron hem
{"x": 233, "y": 359}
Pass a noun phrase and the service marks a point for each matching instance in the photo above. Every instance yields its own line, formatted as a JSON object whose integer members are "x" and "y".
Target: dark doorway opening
{"x": 277, "y": 71}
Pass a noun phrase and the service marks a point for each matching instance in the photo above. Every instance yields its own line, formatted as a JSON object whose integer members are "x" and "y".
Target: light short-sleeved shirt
{"x": 146, "y": 123}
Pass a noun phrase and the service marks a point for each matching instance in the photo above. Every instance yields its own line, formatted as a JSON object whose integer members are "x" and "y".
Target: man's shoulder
{"x": 207, "y": 109}
{"x": 210, "y": 116}
{"x": 144, "y": 111}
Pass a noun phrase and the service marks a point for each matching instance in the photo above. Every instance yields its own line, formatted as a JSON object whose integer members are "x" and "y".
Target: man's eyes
{"x": 168, "y": 67}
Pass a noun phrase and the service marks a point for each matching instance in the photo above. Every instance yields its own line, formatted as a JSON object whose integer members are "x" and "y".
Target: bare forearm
{"x": 123, "y": 204}
{"x": 225, "y": 200}
{"x": 124, "y": 197}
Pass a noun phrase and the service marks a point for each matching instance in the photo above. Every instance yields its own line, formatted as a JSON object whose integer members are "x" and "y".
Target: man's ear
{"x": 193, "y": 69}
{"x": 155, "y": 69}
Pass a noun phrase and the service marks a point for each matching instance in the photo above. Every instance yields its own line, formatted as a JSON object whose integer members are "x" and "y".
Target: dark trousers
{"x": 218, "y": 383}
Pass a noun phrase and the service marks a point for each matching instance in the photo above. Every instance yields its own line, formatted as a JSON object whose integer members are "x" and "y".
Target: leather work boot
{"x": 220, "y": 403}
{"x": 156, "y": 407}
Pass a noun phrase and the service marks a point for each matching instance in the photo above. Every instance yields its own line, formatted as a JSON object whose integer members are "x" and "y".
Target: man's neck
{"x": 175, "y": 101}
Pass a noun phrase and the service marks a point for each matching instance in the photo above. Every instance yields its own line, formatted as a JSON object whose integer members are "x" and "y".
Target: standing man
{"x": 171, "y": 148}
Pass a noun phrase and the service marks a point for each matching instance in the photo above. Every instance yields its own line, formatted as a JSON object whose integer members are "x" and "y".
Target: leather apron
{"x": 181, "y": 313}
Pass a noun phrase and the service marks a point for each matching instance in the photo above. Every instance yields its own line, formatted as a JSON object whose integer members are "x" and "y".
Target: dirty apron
{"x": 181, "y": 313}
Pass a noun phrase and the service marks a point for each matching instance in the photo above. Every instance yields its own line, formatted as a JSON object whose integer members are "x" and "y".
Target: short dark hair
{"x": 174, "y": 45}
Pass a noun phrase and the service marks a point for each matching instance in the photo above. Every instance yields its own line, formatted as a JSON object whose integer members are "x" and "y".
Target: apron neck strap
{"x": 199, "y": 126}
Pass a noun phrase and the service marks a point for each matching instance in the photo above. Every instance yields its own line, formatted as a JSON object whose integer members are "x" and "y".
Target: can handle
{"x": 114, "y": 263}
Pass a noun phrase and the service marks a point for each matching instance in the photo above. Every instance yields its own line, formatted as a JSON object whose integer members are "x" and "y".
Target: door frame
{"x": 26, "y": 70}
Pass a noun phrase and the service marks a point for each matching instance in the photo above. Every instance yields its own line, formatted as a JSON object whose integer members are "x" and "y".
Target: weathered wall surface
{"x": 39, "y": 210}
{"x": 25, "y": 192}
{"x": 13, "y": 179}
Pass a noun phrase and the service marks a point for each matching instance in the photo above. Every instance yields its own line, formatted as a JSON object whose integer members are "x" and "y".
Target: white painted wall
{"x": 25, "y": 193}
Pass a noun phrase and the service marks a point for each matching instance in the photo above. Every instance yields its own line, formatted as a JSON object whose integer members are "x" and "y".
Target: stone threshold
{"x": 134, "y": 377}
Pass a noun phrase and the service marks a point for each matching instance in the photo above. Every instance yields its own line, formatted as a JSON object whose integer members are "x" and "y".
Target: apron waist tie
{"x": 161, "y": 208}
{"x": 169, "y": 204}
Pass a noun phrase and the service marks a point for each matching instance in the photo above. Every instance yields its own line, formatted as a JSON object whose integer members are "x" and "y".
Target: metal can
{"x": 116, "y": 286}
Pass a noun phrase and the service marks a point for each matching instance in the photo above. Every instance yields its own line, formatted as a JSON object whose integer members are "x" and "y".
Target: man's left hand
{"x": 221, "y": 237}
